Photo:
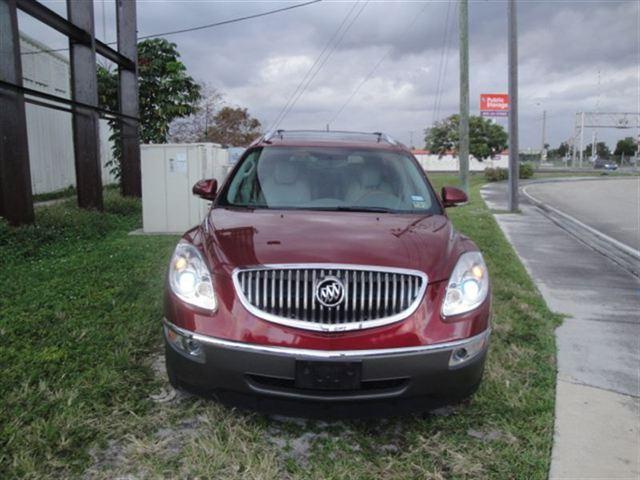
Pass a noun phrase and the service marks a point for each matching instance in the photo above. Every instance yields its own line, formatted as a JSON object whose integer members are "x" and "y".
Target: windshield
{"x": 330, "y": 178}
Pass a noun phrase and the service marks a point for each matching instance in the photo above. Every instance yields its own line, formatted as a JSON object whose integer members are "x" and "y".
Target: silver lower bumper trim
{"x": 219, "y": 342}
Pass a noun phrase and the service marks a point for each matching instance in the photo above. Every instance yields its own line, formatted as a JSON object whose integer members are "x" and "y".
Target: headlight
{"x": 189, "y": 277}
{"x": 468, "y": 286}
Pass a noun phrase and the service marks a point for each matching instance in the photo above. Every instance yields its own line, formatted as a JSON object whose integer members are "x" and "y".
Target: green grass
{"x": 70, "y": 191}
{"x": 79, "y": 318}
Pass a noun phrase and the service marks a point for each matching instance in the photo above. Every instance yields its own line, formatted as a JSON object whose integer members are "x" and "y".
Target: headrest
{"x": 371, "y": 176}
{"x": 286, "y": 172}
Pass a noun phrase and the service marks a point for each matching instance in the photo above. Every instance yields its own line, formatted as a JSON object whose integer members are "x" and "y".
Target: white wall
{"x": 448, "y": 163}
{"x": 49, "y": 131}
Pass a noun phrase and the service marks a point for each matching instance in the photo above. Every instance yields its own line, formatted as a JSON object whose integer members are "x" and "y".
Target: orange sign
{"x": 494, "y": 104}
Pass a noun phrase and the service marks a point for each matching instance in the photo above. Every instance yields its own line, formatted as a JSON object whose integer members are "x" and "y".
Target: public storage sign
{"x": 494, "y": 104}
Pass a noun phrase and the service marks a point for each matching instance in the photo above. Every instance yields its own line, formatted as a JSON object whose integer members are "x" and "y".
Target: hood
{"x": 236, "y": 238}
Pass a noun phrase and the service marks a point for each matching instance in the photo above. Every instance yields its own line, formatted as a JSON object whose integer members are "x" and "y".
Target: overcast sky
{"x": 574, "y": 56}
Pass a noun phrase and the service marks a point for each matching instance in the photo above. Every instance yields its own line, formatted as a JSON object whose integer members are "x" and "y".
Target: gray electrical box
{"x": 168, "y": 174}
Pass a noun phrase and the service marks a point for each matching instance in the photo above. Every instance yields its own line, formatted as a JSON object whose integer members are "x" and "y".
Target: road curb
{"x": 618, "y": 252}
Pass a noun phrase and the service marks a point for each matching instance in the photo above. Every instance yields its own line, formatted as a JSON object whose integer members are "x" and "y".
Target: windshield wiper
{"x": 363, "y": 209}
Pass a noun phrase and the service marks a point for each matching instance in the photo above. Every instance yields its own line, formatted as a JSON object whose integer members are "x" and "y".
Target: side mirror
{"x": 206, "y": 189}
{"x": 452, "y": 196}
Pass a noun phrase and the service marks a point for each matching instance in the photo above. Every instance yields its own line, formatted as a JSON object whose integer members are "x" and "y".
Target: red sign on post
{"x": 494, "y": 104}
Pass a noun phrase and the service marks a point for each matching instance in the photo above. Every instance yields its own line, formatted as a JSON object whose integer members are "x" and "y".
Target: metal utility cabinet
{"x": 168, "y": 174}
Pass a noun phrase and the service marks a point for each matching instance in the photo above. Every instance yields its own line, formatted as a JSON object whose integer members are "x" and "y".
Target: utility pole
{"x": 594, "y": 150}
{"x": 411, "y": 139}
{"x": 463, "y": 152}
{"x": 544, "y": 137}
{"x": 581, "y": 138}
{"x": 513, "y": 110}
{"x": 573, "y": 144}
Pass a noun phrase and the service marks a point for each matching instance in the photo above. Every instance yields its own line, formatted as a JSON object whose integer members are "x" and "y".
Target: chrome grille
{"x": 371, "y": 296}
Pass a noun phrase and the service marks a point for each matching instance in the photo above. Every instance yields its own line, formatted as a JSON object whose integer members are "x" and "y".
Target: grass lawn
{"x": 80, "y": 322}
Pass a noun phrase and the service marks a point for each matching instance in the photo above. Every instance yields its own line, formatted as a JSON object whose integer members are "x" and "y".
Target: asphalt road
{"x": 610, "y": 206}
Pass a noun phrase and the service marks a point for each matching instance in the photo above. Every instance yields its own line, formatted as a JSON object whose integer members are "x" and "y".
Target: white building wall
{"x": 449, "y": 163}
{"x": 49, "y": 131}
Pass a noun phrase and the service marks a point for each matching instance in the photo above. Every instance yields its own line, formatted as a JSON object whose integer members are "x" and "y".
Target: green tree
{"x": 234, "y": 126}
{"x": 602, "y": 150}
{"x": 166, "y": 92}
{"x": 560, "y": 152}
{"x": 486, "y": 139}
{"x": 627, "y": 147}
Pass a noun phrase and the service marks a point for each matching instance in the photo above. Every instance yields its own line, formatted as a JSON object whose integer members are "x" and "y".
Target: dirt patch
{"x": 121, "y": 456}
{"x": 492, "y": 435}
{"x": 166, "y": 394}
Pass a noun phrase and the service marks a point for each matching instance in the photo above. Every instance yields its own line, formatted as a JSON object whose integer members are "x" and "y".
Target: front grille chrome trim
{"x": 353, "y": 274}
{"x": 329, "y": 354}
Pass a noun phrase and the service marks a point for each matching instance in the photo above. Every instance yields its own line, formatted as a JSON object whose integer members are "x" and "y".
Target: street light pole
{"x": 463, "y": 152}
{"x": 513, "y": 111}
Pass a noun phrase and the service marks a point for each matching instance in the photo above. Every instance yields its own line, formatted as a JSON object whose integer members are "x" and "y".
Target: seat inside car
{"x": 369, "y": 179}
{"x": 285, "y": 186}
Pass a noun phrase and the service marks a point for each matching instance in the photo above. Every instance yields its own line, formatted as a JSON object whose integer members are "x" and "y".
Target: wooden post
{"x": 84, "y": 86}
{"x": 131, "y": 181}
{"x": 16, "y": 198}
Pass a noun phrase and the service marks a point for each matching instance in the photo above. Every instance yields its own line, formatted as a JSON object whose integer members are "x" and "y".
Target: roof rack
{"x": 376, "y": 137}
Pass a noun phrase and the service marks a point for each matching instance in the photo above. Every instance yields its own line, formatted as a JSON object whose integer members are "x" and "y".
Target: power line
{"x": 306, "y": 76}
{"x": 446, "y": 59}
{"x": 322, "y": 62}
{"x": 373, "y": 70}
{"x": 326, "y": 58}
{"x": 233, "y": 20}
{"x": 200, "y": 27}
{"x": 440, "y": 79}
{"x": 445, "y": 32}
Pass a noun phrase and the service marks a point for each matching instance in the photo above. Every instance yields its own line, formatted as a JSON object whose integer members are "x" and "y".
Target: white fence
{"x": 49, "y": 131}
{"x": 449, "y": 163}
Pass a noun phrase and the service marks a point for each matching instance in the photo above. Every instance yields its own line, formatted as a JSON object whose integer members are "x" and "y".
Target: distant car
{"x": 325, "y": 272}
{"x": 601, "y": 163}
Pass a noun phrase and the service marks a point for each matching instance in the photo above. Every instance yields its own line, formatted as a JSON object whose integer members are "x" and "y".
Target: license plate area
{"x": 314, "y": 375}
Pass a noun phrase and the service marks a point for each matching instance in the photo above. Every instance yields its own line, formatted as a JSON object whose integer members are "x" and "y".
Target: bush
{"x": 499, "y": 174}
{"x": 67, "y": 224}
{"x": 526, "y": 170}
{"x": 496, "y": 174}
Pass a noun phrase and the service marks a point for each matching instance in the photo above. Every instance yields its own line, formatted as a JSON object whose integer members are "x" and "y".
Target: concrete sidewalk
{"x": 597, "y": 427}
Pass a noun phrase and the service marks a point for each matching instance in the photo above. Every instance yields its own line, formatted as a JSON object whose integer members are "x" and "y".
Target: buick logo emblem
{"x": 330, "y": 291}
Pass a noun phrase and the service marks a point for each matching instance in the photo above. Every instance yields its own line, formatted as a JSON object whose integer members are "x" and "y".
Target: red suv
{"x": 327, "y": 273}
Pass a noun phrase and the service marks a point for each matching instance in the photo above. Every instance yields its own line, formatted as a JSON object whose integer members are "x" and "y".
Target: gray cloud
{"x": 258, "y": 63}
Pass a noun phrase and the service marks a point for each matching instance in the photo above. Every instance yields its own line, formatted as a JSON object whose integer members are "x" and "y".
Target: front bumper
{"x": 263, "y": 377}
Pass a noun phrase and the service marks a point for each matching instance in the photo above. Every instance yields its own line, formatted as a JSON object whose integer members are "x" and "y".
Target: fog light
{"x": 184, "y": 344}
{"x": 460, "y": 354}
{"x": 469, "y": 350}
{"x": 193, "y": 347}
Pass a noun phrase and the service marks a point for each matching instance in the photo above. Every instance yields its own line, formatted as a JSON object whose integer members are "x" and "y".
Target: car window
{"x": 330, "y": 178}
